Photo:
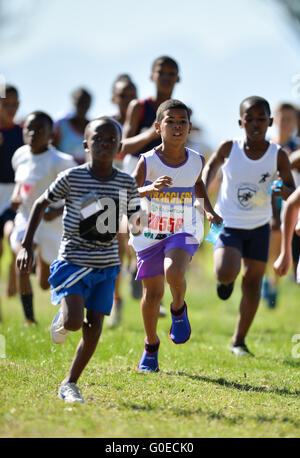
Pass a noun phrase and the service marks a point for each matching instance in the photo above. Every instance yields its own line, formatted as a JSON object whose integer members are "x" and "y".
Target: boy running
{"x": 84, "y": 274}
{"x": 169, "y": 180}
{"x": 36, "y": 165}
{"x": 11, "y": 138}
{"x": 249, "y": 166}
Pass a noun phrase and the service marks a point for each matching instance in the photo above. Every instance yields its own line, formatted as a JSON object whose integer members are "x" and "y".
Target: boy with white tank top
{"x": 249, "y": 167}
{"x": 169, "y": 178}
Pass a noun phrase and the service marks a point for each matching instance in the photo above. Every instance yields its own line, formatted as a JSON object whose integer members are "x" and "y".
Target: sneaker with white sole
{"x": 116, "y": 314}
{"x": 70, "y": 392}
{"x": 162, "y": 311}
{"x": 58, "y": 332}
{"x": 240, "y": 350}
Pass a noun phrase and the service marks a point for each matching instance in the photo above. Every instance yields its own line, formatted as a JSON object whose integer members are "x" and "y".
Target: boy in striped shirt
{"x": 96, "y": 197}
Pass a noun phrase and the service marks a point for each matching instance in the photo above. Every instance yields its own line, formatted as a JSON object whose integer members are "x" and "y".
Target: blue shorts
{"x": 252, "y": 243}
{"x": 95, "y": 285}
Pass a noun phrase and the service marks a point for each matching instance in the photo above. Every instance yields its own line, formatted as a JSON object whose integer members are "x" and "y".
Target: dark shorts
{"x": 96, "y": 286}
{"x": 252, "y": 243}
{"x": 296, "y": 247}
{"x": 7, "y": 215}
{"x": 150, "y": 262}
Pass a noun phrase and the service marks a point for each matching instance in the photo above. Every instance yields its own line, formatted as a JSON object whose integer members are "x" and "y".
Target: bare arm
{"x": 295, "y": 160}
{"x": 290, "y": 216}
{"x": 131, "y": 141}
{"x": 284, "y": 170}
{"x": 203, "y": 202}
{"x": 139, "y": 175}
{"x": 214, "y": 163}
{"x": 25, "y": 256}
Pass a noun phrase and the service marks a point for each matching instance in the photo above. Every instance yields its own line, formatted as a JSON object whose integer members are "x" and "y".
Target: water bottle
{"x": 277, "y": 183}
{"x": 214, "y": 233}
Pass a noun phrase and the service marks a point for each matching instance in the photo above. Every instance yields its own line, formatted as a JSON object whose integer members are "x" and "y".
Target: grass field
{"x": 202, "y": 390}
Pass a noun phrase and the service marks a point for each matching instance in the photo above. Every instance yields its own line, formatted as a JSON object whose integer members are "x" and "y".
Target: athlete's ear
{"x": 271, "y": 122}
{"x": 240, "y": 123}
{"x": 85, "y": 145}
{"x": 190, "y": 128}
{"x": 157, "y": 127}
{"x": 178, "y": 79}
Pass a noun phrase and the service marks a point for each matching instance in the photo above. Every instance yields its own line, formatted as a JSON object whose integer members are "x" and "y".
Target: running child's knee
{"x": 174, "y": 276}
{"x": 73, "y": 323}
{"x": 152, "y": 297}
{"x": 225, "y": 276}
{"x": 92, "y": 331}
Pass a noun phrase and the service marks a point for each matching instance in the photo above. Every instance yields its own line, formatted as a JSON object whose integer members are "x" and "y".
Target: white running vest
{"x": 170, "y": 210}
{"x": 243, "y": 200}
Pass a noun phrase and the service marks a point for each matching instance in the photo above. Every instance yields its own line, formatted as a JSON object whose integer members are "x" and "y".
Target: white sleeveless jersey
{"x": 170, "y": 210}
{"x": 243, "y": 200}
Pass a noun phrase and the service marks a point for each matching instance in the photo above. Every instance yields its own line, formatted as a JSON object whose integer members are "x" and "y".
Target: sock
{"x": 27, "y": 303}
{"x": 179, "y": 311}
{"x": 151, "y": 348}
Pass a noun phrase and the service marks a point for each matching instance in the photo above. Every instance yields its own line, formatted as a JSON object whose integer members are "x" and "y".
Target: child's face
{"x": 256, "y": 120}
{"x": 82, "y": 103}
{"x": 123, "y": 94}
{"x": 286, "y": 120}
{"x": 37, "y": 134}
{"x": 103, "y": 141}
{"x": 8, "y": 108}
{"x": 174, "y": 127}
{"x": 165, "y": 77}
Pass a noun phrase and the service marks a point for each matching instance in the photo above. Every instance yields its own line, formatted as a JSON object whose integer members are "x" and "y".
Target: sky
{"x": 226, "y": 50}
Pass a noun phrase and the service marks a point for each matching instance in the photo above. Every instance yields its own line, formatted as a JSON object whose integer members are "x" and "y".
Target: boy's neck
{"x": 282, "y": 139}
{"x": 171, "y": 153}
{"x": 160, "y": 98}
{"x": 101, "y": 170}
{"x": 6, "y": 124}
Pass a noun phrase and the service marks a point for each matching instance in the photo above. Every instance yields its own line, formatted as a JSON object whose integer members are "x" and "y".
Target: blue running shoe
{"x": 148, "y": 362}
{"x": 181, "y": 329}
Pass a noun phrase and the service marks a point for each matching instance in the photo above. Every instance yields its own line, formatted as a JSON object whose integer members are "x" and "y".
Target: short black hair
{"x": 81, "y": 91}
{"x": 9, "y": 88}
{"x": 124, "y": 78}
{"x": 44, "y": 116}
{"x": 252, "y": 101}
{"x": 106, "y": 119}
{"x": 286, "y": 106}
{"x": 170, "y": 104}
{"x": 165, "y": 60}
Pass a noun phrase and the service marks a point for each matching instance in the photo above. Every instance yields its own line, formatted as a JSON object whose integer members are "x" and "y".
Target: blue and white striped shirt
{"x": 87, "y": 198}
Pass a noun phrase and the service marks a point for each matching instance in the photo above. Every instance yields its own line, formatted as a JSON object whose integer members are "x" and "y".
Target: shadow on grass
{"x": 238, "y": 386}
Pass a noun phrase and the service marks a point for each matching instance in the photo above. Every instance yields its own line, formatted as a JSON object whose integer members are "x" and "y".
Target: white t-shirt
{"x": 243, "y": 200}
{"x": 35, "y": 172}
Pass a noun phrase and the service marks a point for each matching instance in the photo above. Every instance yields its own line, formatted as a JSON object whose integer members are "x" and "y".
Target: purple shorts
{"x": 150, "y": 262}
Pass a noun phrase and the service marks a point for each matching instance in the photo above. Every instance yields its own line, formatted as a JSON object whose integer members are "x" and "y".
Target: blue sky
{"x": 226, "y": 50}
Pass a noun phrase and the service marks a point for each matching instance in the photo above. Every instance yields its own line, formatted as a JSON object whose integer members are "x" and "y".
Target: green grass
{"x": 202, "y": 390}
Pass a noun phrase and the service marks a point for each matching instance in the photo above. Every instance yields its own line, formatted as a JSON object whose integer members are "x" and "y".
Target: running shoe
{"x": 70, "y": 392}
{"x": 224, "y": 291}
{"x": 148, "y": 362}
{"x": 58, "y": 332}
{"x": 116, "y": 313}
{"x": 240, "y": 350}
{"x": 136, "y": 286}
{"x": 162, "y": 311}
{"x": 180, "y": 330}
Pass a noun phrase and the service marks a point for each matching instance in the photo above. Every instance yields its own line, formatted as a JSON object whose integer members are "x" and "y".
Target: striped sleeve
{"x": 134, "y": 201}
{"x": 59, "y": 189}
